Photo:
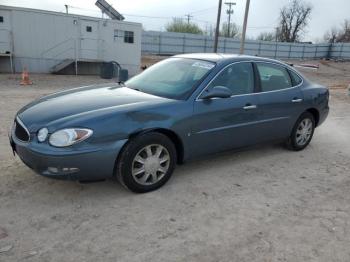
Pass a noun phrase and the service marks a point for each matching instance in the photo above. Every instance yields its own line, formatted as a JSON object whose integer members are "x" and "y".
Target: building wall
{"x": 129, "y": 55}
{"x": 42, "y": 39}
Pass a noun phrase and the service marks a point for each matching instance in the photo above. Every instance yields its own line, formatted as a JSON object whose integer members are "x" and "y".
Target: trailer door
{"x": 90, "y": 43}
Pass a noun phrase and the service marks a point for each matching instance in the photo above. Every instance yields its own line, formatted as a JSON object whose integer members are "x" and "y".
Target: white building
{"x": 45, "y": 41}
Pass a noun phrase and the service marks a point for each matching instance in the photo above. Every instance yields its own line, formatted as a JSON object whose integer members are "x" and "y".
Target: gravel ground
{"x": 262, "y": 204}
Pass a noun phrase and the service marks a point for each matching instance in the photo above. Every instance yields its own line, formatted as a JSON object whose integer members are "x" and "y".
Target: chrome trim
{"x": 24, "y": 127}
{"x": 252, "y": 61}
{"x": 240, "y": 125}
{"x": 298, "y": 100}
{"x": 250, "y": 107}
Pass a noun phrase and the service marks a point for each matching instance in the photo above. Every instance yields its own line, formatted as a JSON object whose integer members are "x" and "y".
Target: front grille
{"x": 21, "y": 131}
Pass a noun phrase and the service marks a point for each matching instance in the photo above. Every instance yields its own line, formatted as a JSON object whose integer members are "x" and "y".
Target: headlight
{"x": 42, "y": 134}
{"x": 70, "y": 136}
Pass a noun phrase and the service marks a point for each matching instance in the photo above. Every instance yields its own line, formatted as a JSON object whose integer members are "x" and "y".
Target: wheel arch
{"x": 315, "y": 113}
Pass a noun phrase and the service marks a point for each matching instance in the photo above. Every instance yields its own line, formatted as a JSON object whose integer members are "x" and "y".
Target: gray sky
{"x": 263, "y": 15}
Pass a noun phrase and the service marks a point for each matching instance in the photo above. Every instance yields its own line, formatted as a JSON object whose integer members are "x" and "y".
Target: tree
{"x": 266, "y": 36}
{"x": 331, "y": 35}
{"x": 234, "y": 30}
{"x": 339, "y": 35}
{"x": 181, "y": 26}
{"x": 293, "y": 20}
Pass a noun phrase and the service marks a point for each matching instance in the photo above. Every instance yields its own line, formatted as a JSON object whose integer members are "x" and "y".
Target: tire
{"x": 139, "y": 167}
{"x": 299, "y": 140}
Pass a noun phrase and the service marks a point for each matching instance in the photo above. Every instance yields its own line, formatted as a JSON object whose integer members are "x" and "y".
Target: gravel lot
{"x": 262, "y": 204}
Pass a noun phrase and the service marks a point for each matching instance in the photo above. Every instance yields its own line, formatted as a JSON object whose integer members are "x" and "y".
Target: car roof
{"x": 218, "y": 57}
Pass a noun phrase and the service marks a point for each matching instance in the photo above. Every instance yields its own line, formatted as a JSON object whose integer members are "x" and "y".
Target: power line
{"x": 203, "y": 10}
{"x": 148, "y": 16}
{"x": 170, "y": 17}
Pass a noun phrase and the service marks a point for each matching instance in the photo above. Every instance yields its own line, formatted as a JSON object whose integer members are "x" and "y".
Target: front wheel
{"x": 147, "y": 162}
{"x": 302, "y": 132}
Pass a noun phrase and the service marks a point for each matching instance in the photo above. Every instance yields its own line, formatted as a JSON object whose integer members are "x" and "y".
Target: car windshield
{"x": 173, "y": 78}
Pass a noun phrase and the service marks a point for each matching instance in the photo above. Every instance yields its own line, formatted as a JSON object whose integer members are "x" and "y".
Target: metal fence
{"x": 168, "y": 43}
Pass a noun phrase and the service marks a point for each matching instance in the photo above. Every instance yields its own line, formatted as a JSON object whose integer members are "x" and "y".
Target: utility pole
{"x": 217, "y": 30}
{"x": 66, "y": 6}
{"x": 229, "y": 11}
{"x": 189, "y": 16}
{"x": 241, "y": 51}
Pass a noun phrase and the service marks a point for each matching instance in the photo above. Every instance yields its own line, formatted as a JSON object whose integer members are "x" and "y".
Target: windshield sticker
{"x": 203, "y": 65}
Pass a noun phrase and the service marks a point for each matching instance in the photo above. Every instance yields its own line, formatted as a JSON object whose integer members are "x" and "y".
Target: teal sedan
{"x": 179, "y": 109}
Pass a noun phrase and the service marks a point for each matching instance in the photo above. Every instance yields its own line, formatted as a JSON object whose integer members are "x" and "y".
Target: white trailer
{"x": 45, "y": 41}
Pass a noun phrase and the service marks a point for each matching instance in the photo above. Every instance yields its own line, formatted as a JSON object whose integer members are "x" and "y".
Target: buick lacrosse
{"x": 181, "y": 108}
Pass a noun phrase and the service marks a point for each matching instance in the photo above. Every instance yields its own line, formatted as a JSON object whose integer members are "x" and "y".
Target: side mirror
{"x": 216, "y": 92}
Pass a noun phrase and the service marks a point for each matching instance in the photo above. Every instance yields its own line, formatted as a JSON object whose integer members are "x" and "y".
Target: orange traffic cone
{"x": 25, "y": 78}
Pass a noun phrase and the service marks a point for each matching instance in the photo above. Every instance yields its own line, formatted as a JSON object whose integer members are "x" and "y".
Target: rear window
{"x": 273, "y": 77}
{"x": 295, "y": 78}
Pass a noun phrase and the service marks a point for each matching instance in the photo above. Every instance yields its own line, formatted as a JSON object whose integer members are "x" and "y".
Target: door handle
{"x": 297, "y": 100}
{"x": 249, "y": 107}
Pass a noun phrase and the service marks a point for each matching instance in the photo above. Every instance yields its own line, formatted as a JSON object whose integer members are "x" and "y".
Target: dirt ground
{"x": 262, "y": 204}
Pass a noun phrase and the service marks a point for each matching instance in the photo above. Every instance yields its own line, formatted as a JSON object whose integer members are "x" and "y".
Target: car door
{"x": 223, "y": 123}
{"x": 280, "y": 101}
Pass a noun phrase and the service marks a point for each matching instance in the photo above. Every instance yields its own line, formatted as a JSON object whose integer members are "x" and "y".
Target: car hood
{"x": 82, "y": 101}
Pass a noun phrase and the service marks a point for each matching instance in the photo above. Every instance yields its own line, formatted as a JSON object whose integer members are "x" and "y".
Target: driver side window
{"x": 239, "y": 78}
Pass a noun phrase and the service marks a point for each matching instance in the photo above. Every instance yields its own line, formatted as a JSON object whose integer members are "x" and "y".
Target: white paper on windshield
{"x": 203, "y": 65}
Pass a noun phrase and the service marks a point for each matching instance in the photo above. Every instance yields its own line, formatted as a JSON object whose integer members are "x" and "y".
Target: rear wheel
{"x": 302, "y": 133}
{"x": 147, "y": 162}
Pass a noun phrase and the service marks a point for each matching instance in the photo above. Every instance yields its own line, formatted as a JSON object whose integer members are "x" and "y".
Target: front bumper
{"x": 87, "y": 163}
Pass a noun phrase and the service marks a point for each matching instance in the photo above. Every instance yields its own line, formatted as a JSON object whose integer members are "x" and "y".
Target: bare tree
{"x": 234, "y": 30}
{"x": 344, "y": 33}
{"x": 266, "y": 36}
{"x": 181, "y": 26}
{"x": 331, "y": 35}
{"x": 293, "y": 20}
{"x": 339, "y": 35}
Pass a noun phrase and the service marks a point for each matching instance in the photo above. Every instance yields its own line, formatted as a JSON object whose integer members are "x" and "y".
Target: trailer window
{"x": 1, "y": 19}
{"x": 129, "y": 37}
{"x": 118, "y": 34}
{"x": 88, "y": 29}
